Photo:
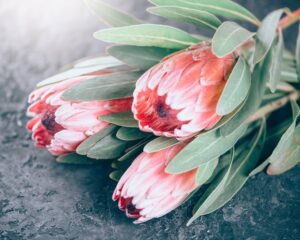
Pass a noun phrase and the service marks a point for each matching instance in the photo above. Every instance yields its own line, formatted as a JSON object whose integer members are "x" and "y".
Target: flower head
{"x": 146, "y": 191}
{"x": 60, "y": 125}
{"x": 178, "y": 97}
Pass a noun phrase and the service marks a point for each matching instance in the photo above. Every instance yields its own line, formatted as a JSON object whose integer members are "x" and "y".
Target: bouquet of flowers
{"x": 176, "y": 112}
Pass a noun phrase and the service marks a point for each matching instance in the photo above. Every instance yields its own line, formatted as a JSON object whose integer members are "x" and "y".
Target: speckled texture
{"x": 40, "y": 199}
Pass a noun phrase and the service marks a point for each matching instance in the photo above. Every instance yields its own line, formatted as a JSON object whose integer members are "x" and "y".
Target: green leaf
{"x": 73, "y": 158}
{"x": 131, "y": 134}
{"x": 215, "y": 188}
{"x": 139, "y": 57}
{"x": 96, "y": 61}
{"x": 287, "y": 55}
{"x": 224, "y": 162}
{"x": 287, "y": 137}
{"x": 232, "y": 180}
{"x": 110, "y": 15}
{"x": 289, "y": 158}
{"x": 205, "y": 171}
{"x": 236, "y": 88}
{"x": 193, "y": 16}
{"x": 286, "y": 154}
{"x": 276, "y": 63}
{"x": 284, "y": 147}
{"x": 90, "y": 142}
{"x": 124, "y": 119}
{"x": 159, "y": 144}
{"x": 124, "y": 162}
{"x": 108, "y": 147}
{"x": 152, "y": 35}
{"x": 269, "y": 97}
{"x": 116, "y": 175}
{"x": 82, "y": 69}
{"x": 224, "y": 8}
{"x": 204, "y": 148}
{"x": 266, "y": 34}
{"x": 289, "y": 75}
{"x": 225, "y": 119}
{"x": 228, "y": 37}
{"x": 104, "y": 87}
{"x": 133, "y": 152}
{"x": 260, "y": 76}
{"x": 298, "y": 52}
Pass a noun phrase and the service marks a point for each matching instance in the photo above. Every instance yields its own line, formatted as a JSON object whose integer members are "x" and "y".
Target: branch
{"x": 289, "y": 19}
{"x": 262, "y": 112}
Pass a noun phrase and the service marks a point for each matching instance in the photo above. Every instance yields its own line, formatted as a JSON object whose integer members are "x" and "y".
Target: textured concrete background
{"x": 40, "y": 199}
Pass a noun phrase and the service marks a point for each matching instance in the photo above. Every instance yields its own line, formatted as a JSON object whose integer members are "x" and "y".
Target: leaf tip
{"x": 190, "y": 221}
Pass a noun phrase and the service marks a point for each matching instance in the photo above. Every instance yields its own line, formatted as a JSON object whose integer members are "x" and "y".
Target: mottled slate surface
{"x": 40, "y": 199}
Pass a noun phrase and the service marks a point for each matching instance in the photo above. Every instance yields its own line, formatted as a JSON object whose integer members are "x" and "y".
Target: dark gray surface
{"x": 40, "y": 199}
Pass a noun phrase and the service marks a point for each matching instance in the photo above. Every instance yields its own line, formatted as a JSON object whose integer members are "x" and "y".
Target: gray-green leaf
{"x": 228, "y": 37}
{"x": 131, "y": 134}
{"x": 284, "y": 147}
{"x": 133, "y": 152}
{"x": 282, "y": 158}
{"x": 236, "y": 88}
{"x": 116, "y": 175}
{"x": 232, "y": 180}
{"x": 110, "y": 15}
{"x": 298, "y": 52}
{"x": 159, "y": 144}
{"x": 152, "y": 35}
{"x": 108, "y": 147}
{"x": 83, "y": 68}
{"x": 289, "y": 75}
{"x": 123, "y": 119}
{"x": 276, "y": 63}
{"x": 266, "y": 34}
{"x": 104, "y": 87}
{"x": 193, "y": 16}
{"x": 260, "y": 76}
{"x": 205, "y": 147}
{"x": 73, "y": 158}
{"x": 90, "y": 142}
{"x": 289, "y": 158}
{"x": 224, "y": 8}
{"x": 139, "y": 57}
{"x": 205, "y": 171}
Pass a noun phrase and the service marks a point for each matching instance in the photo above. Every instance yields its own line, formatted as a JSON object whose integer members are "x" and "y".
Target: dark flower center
{"x": 131, "y": 209}
{"x": 48, "y": 121}
{"x": 161, "y": 110}
{"x": 153, "y": 111}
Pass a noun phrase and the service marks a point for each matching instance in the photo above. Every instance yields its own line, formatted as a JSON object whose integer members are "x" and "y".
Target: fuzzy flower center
{"x": 48, "y": 121}
{"x": 156, "y": 113}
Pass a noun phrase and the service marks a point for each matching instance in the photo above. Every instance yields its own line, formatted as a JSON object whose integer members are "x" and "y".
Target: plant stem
{"x": 289, "y": 19}
{"x": 262, "y": 112}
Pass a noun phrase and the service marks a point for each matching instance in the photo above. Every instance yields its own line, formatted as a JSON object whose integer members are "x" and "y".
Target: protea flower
{"x": 60, "y": 125}
{"x": 178, "y": 96}
{"x": 146, "y": 191}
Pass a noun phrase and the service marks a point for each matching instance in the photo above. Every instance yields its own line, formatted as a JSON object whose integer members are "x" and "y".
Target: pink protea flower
{"x": 60, "y": 125}
{"x": 178, "y": 97}
{"x": 146, "y": 191}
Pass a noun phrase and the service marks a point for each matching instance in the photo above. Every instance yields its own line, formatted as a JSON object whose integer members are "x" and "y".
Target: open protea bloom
{"x": 146, "y": 191}
{"x": 178, "y": 96}
{"x": 60, "y": 125}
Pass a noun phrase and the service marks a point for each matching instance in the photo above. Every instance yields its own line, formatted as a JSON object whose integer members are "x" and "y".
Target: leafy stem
{"x": 271, "y": 107}
{"x": 289, "y": 19}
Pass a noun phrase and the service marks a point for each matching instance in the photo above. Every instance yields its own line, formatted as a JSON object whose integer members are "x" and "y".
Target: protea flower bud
{"x": 178, "y": 96}
{"x": 146, "y": 191}
{"x": 60, "y": 125}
